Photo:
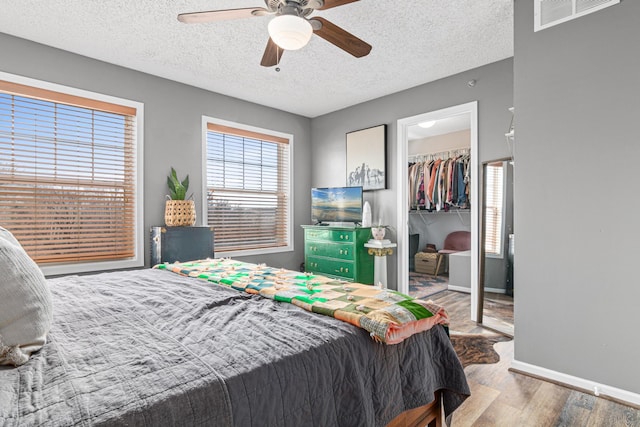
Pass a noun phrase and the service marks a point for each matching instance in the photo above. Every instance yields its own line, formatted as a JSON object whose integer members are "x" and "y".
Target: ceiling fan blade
{"x": 328, "y": 4}
{"x": 221, "y": 15}
{"x": 272, "y": 54}
{"x": 341, "y": 38}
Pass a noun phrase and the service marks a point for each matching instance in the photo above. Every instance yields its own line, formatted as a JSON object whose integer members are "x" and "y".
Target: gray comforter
{"x": 150, "y": 348}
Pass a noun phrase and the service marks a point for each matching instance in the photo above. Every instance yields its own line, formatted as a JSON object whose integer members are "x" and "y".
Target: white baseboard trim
{"x": 582, "y": 384}
{"x": 459, "y": 289}
{"x": 468, "y": 290}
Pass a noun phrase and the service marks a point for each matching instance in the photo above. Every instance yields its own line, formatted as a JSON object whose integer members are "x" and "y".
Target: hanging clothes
{"x": 440, "y": 184}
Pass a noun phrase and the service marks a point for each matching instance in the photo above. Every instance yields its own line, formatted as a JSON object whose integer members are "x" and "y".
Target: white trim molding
{"x": 139, "y": 232}
{"x": 470, "y": 108}
{"x": 204, "y": 205}
{"x": 468, "y": 290}
{"x": 581, "y": 384}
{"x": 558, "y": 12}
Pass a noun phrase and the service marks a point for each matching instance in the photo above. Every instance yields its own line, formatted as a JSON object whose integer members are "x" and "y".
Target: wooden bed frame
{"x": 431, "y": 414}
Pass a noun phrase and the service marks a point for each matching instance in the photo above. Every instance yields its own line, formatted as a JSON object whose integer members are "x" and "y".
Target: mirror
{"x": 495, "y": 302}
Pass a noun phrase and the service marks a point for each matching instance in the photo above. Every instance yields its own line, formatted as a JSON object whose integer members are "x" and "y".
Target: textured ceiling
{"x": 414, "y": 42}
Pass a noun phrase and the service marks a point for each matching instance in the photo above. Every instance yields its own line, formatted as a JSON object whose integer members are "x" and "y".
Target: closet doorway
{"x": 433, "y": 218}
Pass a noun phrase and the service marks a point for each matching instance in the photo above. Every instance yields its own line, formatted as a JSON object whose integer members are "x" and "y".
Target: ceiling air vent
{"x": 552, "y": 12}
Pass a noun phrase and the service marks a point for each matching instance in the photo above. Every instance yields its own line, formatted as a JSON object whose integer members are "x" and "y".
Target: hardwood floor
{"x": 503, "y": 398}
{"x": 498, "y": 312}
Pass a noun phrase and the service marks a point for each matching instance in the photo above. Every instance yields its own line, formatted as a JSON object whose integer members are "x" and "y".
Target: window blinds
{"x": 67, "y": 175}
{"x": 248, "y": 199}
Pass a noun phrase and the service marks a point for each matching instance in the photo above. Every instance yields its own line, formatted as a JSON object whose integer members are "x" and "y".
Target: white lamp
{"x": 290, "y": 32}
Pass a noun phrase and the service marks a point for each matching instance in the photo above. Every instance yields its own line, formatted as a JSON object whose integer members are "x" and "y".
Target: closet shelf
{"x": 439, "y": 155}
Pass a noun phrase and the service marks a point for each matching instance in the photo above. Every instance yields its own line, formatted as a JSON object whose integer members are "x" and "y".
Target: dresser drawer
{"x": 338, "y": 252}
{"x": 330, "y": 235}
{"x": 343, "y": 269}
{"x": 331, "y": 250}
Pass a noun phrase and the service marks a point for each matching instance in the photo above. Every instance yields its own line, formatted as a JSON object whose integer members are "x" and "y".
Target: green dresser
{"x": 338, "y": 252}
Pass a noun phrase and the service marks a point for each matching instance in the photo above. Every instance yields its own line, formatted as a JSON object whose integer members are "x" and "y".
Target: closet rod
{"x": 442, "y": 155}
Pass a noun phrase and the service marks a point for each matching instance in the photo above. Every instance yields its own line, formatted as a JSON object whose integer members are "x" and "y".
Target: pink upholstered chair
{"x": 455, "y": 241}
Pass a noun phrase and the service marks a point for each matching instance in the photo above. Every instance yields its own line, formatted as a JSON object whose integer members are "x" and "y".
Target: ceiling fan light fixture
{"x": 290, "y": 32}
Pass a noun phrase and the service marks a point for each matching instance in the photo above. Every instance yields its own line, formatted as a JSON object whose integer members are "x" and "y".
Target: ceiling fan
{"x": 291, "y": 28}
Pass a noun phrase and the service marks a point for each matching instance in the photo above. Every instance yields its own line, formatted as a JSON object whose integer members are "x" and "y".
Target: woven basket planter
{"x": 178, "y": 213}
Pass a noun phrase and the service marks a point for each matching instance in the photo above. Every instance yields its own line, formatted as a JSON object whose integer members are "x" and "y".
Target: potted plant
{"x": 378, "y": 230}
{"x": 178, "y": 211}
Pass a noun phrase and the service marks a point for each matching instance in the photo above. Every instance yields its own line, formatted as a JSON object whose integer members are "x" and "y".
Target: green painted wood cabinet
{"x": 338, "y": 252}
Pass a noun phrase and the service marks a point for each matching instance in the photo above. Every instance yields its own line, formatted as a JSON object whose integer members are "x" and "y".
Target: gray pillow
{"x": 25, "y": 303}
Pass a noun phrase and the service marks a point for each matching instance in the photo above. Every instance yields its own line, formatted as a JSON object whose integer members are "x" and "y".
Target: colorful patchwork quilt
{"x": 387, "y": 315}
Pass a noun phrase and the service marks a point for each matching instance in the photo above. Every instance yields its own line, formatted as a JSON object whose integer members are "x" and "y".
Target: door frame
{"x": 402, "y": 139}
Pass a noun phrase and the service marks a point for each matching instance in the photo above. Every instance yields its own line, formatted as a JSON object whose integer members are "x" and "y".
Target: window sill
{"x": 249, "y": 252}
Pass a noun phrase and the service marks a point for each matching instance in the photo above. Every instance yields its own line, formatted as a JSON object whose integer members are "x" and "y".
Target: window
{"x": 248, "y": 192}
{"x": 494, "y": 212}
{"x": 69, "y": 176}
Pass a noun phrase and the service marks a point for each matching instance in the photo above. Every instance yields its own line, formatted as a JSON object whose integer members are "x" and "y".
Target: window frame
{"x": 138, "y": 138}
{"x": 205, "y": 208}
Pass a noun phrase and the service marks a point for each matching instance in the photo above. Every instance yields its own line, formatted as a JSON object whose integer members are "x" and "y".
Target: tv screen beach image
{"x": 343, "y": 204}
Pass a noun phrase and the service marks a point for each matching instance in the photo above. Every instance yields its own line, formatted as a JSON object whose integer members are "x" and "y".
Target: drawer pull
{"x": 341, "y": 237}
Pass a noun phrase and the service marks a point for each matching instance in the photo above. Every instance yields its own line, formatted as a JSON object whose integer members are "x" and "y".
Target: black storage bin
{"x": 171, "y": 244}
{"x": 414, "y": 241}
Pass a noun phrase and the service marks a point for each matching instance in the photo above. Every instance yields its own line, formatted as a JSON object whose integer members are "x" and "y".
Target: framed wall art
{"x": 366, "y": 158}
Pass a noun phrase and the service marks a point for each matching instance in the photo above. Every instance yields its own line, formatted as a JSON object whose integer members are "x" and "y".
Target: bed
{"x": 154, "y": 348}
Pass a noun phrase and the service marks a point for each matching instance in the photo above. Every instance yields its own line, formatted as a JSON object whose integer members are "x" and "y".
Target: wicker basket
{"x": 427, "y": 263}
{"x": 179, "y": 213}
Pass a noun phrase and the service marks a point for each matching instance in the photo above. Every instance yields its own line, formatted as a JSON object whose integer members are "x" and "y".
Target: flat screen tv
{"x": 336, "y": 205}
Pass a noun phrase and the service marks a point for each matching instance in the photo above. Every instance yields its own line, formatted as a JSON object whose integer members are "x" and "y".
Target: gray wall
{"x": 576, "y": 210}
{"x": 172, "y": 126}
{"x": 493, "y": 91}
{"x": 433, "y": 227}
